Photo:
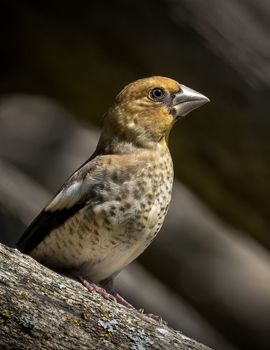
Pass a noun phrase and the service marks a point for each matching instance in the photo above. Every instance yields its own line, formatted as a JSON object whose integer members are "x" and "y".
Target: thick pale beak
{"x": 187, "y": 100}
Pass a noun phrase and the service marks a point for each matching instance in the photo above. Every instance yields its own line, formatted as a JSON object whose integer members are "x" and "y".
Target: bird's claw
{"x": 122, "y": 301}
{"x": 91, "y": 286}
{"x": 116, "y": 297}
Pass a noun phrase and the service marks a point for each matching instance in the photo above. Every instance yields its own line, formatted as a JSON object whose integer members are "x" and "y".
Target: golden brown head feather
{"x": 137, "y": 117}
{"x": 144, "y": 112}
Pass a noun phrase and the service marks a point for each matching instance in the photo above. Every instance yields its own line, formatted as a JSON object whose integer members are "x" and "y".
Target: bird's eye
{"x": 157, "y": 94}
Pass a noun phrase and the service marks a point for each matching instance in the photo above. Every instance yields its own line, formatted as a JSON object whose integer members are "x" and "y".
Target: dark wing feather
{"x": 50, "y": 219}
{"x": 43, "y": 224}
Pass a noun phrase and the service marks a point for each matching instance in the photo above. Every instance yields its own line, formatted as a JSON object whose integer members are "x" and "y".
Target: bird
{"x": 112, "y": 207}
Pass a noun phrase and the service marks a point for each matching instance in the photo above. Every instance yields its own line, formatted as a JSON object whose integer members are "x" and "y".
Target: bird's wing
{"x": 70, "y": 199}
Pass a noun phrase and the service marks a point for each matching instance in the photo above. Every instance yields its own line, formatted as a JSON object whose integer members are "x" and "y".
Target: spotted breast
{"x": 128, "y": 201}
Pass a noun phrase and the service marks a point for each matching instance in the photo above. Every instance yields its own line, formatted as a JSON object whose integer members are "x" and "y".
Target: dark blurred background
{"x": 62, "y": 63}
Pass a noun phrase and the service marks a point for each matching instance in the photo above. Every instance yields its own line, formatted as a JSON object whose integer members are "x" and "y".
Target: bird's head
{"x": 145, "y": 110}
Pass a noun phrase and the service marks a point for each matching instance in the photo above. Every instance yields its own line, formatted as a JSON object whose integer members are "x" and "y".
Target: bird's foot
{"x": 110, "y": 294}
{"x": 107, "y": 294}
{"x": 108, "y": 285}
{"x": 91, "y": 286}
{"x": 121, "y": 300}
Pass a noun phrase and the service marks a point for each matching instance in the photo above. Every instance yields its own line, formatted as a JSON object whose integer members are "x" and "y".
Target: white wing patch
{"x": 68, "y": 197}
